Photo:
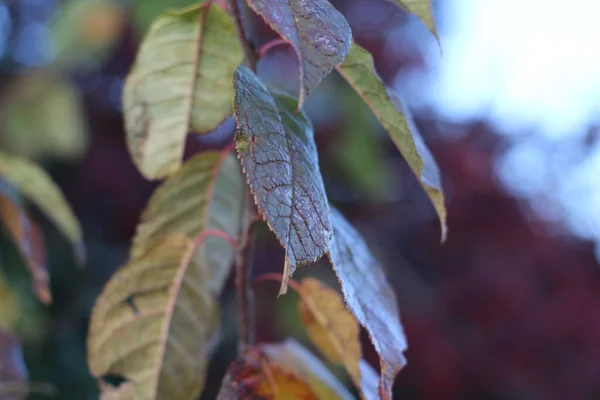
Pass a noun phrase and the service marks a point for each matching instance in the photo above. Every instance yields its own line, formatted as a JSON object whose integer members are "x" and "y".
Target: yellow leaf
{"x": 155, "y": 323}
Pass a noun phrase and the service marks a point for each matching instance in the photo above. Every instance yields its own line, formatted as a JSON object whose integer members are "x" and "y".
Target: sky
{"x": 533, "y": 70}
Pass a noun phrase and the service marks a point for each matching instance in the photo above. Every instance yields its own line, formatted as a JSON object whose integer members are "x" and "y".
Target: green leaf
{"x": 279, "y": 155}
{"x": 29, "y": 239}
{"x": 319, "y": 34}
{"x": 206, "y": 193}
{"x": 144, "y": 12}
{"x": 358, "y": 70}
{"x": 36, "y": 185}
{"x": 369, "y": 297}
{"x": 180, "y": 82}
{"x": 277, "y": 371}
{"x": 422, "y": 9}
{"x": 10, "y": 308}
{"x": 43, "y": 116}
{"x": 155, "y": 324}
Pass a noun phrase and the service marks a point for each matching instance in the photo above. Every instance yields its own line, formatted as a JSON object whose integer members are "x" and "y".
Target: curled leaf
{"x": 369, "y": 297}
{"x": 37, "y": 186}
{"x": 358, "y": 70}
{"x": 277, "y": 148}
{"x": 154, "y": 323}
{"x": 277, "y": 371}
{"x": 28, "y": 238}
{"x": 319, "y": 34}
{"x": 180, "y": 82}
{"x": 330, "y": 326}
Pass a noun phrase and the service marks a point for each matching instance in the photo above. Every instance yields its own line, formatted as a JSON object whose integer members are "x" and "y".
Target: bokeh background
{"x": 507, "y": 308}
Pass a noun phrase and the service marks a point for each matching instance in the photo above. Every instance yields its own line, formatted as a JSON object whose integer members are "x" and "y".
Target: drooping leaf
{"x": 37, "y": 186}
{"x": 331, "y": 327}
{"x": 369, "y": 297}
{"x": 422, "y": 9}
{"x": 277, "y": 371}
{"x": 28, "y": 238}
{"x": 206, "y": 193}
{"x": 13, "y": 372}
{"x": 180, "y": 82}
{"x": 155, "y": 323}
{"x": 43, "y": 116}
{"x": 358, "y": 70}
{"x": 319, "y": 34}
{"x": 279, "y": 155}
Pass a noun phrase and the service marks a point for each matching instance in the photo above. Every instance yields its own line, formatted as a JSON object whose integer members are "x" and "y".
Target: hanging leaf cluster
{"x": 156, "y": 324}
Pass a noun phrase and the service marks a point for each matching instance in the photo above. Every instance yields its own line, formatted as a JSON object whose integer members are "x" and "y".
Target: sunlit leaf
{"x": 277, "y": 371}
{"x": 180, "y": 82}
{"x": 369, "y": 297}
{"x": 358, "y": 70}
{"x": 155, "y": 323}
{"x": 422, "y": 9}
{"x": 28, "y": 238}
{"x": 43, "y": 116}
{"x": 279, "y": 155}
{"x": 37, "y": 186}
{"x": 330, "y": 326}
{"x": 318, "y": 32}
{"x": 206, "y": 193}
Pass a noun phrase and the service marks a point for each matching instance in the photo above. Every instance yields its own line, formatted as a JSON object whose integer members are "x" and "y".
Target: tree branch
{"x": 249, "y": 53}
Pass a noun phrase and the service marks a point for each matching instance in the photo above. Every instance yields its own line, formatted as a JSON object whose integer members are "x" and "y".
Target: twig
{"x": 243, "y": 276}
{"x": 249, "y": 52}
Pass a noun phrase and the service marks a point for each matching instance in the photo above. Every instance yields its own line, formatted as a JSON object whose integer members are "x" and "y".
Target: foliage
{"x": 156, "y": 323}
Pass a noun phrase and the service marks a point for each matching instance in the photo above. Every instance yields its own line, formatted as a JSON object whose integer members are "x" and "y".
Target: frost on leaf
{"x": 180, "y": 82}
{"x": 358, "y": 70}
{"x": 369, "y": 297}
{"x": 279, "y": 155}
{"x": 319, "y": 34}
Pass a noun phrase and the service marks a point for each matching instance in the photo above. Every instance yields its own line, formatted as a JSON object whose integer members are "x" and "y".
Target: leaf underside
{"x": 277, "y": 149}
{"x": 358, "y": 71}
{"x": 180, "y": 82}
{"x": 36, "y": 185}
{"x": 369, "y": 297}
{"x": 319, "y": 34}
{"x": 280, "y": 371}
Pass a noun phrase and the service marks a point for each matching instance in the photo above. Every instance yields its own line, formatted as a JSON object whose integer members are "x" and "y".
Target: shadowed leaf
{"x": 369, "y": 297}
{"x": 180, "y": 82}
{"x": 422, "y": 9}
{"x": 206, "y": 193}
{"x": 28, "y": 238}
{"x": 279, "y": 155}
{"x": 358, "y": 70}
{"x": 37, "y": 186}
{"x": 319, "y": 34}
{"x": 280, "y": 371}
{"x": 155, "y": 324}
{"x": 331, "y": 327}
{"x": 13, "y": 372}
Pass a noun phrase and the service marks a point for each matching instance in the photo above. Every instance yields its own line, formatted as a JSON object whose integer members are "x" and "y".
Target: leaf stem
{"x": 243, "y": 276}
{"x": 247, "y": 47}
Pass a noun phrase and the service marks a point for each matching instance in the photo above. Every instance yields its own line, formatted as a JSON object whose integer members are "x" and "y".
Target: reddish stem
{"x": 277, "y": 278}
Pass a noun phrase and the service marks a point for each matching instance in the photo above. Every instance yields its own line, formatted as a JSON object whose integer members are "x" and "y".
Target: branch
{"x": 249, "y": 52}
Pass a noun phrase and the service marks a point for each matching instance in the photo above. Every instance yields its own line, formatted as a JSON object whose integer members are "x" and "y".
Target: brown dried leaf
{"x": 29, "y": 239}
{"x": 279, "y": 155}
{"x": 369, "y": 297}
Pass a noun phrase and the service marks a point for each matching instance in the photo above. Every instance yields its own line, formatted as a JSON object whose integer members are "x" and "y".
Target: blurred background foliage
{"x": 506, "y": 309}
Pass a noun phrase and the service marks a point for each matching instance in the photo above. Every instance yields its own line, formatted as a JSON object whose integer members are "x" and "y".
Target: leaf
{"x": 145, "y": 12}
{"x": 35, "y": 184}
{"x": 28, "y": 238}
{"x": 369, "y": 297}
{"x": 155, "y": 323}
{"x": 43, "y": 116}
{"x": 180, "y": 82}
{"x": 206, "y": 193}
{"x": 13, "y": 372}
{"x": 319, "y": 34}
{"x": 330, "y": 326}
{"x": 277, "y": 148}
{"x": 358, "y": 70}
{"x": 9, "y": 306}
{"x": 422, "y": 9}
{"x": 276, "y": 371}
